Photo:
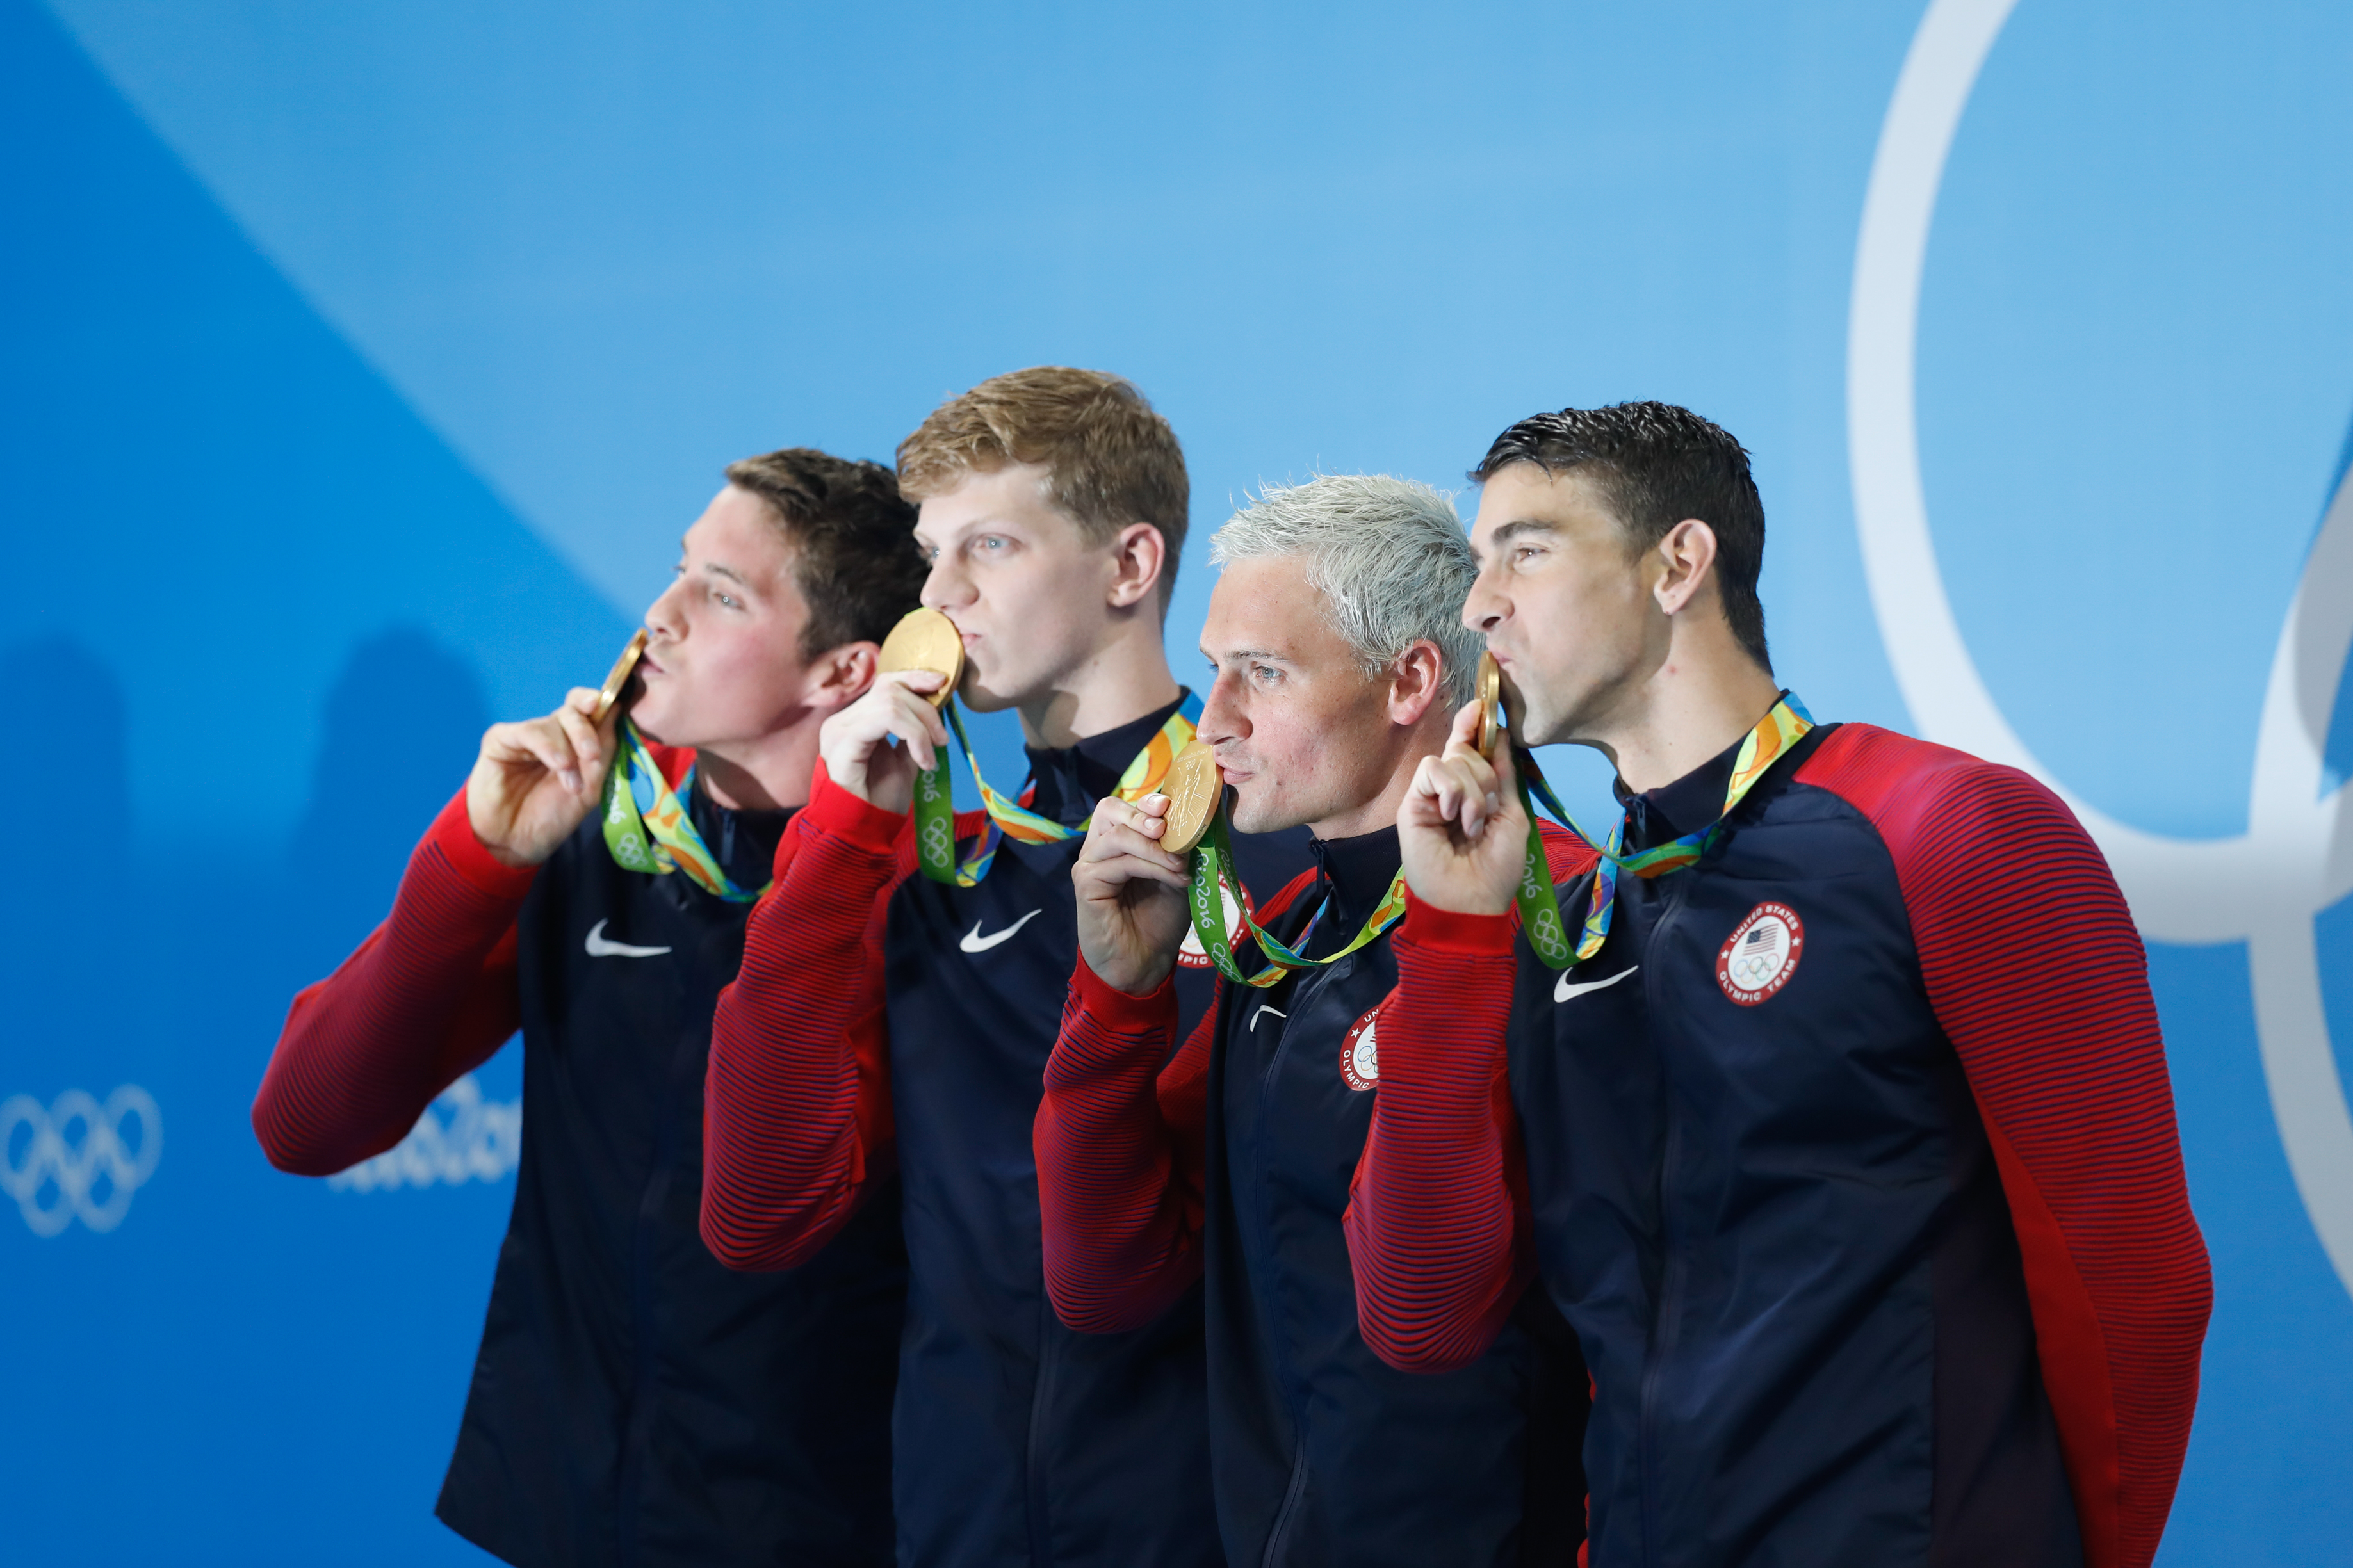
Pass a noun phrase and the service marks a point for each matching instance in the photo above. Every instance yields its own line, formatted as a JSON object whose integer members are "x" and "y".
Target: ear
{"x": 1139, "y": 554}
{"x": 1686, "y": 561}
{"x": 1416, "y": 683}
{"x": 840, "y": 676}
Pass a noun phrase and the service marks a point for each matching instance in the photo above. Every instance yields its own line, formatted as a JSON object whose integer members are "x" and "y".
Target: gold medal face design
{"x": 1194, "y": 788}
{"x": 618, "y": 681}
{"x": 925, "y": 639}
{"x": 1491, "y": 697}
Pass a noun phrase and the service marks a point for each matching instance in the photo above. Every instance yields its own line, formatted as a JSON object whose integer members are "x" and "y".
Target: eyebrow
{"x": 1247, "y": 653}
{"x": 729, "y": 573}
{"x": 1523, "y": 525}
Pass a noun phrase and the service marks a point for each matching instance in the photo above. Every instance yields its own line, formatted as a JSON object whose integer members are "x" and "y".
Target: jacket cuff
{"x": 1444, "y": 931}
{"x": 1120, "y": 1011}
{"x": 453, "y": 833}
{"x": 833, "y": 809}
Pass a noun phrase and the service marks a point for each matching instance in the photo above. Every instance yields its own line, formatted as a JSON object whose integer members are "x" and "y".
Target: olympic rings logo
{"x": 939, "y": 841}
{"x": 2262, "y": 887}
{"x": 71, "y": 1160}
{"x": 480, "y": 1140}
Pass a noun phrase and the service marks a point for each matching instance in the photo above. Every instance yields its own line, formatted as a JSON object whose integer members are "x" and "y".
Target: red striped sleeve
{"x": 2035, "y": 972}
{"x": 1119, "y": 1140}
{"x": 427, "y": 997}
{"x": 796, "y": 1103}
{"x": 1438, "y": 1219}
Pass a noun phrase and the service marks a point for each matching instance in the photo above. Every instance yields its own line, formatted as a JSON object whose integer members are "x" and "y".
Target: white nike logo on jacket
{"x": 1564, "y": 990}
{"x": 600, "y": 947}
{"x": 972, "y": 942}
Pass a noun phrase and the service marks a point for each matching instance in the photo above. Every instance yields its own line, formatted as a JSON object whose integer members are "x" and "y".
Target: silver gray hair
{"x": 1387, "y": 555}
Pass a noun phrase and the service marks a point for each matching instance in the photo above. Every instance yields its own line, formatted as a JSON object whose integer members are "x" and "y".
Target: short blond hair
{"x": 1109, "y": 459}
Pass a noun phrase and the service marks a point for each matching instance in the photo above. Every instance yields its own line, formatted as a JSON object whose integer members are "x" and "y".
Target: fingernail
{"x": 1494, "y": 802}
{"x": 571, "y": 780}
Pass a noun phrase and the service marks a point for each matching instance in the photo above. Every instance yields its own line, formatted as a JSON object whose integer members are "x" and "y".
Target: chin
{"x": 1253, "y": 813}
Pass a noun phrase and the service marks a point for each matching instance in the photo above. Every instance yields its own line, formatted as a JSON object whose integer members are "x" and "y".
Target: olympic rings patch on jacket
{"x": 1758, "y": 958}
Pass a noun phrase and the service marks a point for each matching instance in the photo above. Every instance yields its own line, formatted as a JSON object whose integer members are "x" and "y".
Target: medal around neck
{"x": 1491, "y": 700}
{"x": 1194, "y": 789}
{"x": 925, "y": 639}
{"x": 1772, "y": 739}
{"x": 616, "y": 681}
{"x": 1212, "y": 871}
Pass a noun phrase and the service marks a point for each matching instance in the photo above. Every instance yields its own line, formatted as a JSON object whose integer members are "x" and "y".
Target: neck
{"x": 1408, "y": 744}
{"x": 1124, "y": 678}
{"x": 767, "y": 773}
{"x": 1704, "y": 696}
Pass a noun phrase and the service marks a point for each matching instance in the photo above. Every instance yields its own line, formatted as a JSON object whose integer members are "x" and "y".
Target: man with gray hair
{"x": 1339, "y": 653}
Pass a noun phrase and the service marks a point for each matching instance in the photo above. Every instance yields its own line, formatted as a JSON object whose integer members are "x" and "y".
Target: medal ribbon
{"x": 935, "y": 800}
{"x": 1540, "y": 905}
{"x": 1211, "y": 860}
{"x": 646, "y": 827}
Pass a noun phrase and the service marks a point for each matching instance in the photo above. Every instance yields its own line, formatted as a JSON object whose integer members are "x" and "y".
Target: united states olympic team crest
{"x": 1761, "y": 954}
{"x": 1360, "y": 1061}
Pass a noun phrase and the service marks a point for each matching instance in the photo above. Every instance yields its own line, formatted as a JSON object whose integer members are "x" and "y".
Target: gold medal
{"x": 1194, "y": 788}
{"x": 618, "y": 681}
{"x": 925, "y": 639}
{"x": 1491, "y": 698}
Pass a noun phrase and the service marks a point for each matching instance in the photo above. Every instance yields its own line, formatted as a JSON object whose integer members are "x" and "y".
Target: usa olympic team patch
{"x": 1360, "y": 1061}
{"x": 1192, "y": 954}
{"x": 1761, "y": 954}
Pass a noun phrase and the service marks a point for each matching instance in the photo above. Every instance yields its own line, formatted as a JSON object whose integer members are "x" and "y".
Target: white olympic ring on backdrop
{"x": 2262, "y": 887}
{"x": 481, "y": 1141}
{"x": 72, "y": 1168}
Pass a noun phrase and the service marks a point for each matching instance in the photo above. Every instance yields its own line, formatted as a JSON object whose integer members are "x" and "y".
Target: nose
{"x": 948, "y": 587}
{"x": 666, "y": 618}
{"x": 1222, "y": 718}
{"x": 1485, "y": 609}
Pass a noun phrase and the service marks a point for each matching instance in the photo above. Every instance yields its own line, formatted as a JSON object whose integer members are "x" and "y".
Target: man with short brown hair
{"x": 634, "y": 1402}
{"x": 888, "y": 1018}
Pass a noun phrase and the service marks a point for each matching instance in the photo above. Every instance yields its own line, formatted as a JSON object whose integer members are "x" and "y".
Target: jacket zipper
{"x": 1301, "y": 1002}
{"x": 1671, "y": 1282}
{"x": 1040, "y": 1534}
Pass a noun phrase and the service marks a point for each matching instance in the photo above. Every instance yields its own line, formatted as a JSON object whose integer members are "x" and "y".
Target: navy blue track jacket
{"x": 1236, "y": 1165}
{"x": 916, "y": 1021}
{"x": 634, "y": 1402}
{"x": 1851, "y": 1158}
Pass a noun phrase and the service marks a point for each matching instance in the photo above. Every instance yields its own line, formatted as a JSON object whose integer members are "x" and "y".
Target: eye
{"x": 1265, "y": 674}
{"x": 727, "y": 599}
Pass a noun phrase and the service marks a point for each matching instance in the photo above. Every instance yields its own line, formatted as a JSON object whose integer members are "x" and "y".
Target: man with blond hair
{"x": 885, "y": 1019}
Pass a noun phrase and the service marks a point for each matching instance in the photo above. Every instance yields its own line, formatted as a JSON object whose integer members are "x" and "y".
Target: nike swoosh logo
{"x": 1564, "y": 990}
{"x": 600, "y": 947}
{"x": 972, "y": 942}
{"x": 1261, "y": 1013}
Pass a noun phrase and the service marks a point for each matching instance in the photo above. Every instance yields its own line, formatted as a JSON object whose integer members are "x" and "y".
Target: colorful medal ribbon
{"x": 935, "y": 801}
{"x": 1211, "y": 859}
{"x": 1540, "y": 906}
{"x": 647, "y": 827}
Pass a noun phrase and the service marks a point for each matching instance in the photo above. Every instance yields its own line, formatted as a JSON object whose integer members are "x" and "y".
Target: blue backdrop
{"x": 363, "y": 362}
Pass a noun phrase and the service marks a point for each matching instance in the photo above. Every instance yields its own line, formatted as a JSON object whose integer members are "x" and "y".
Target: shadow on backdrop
{"x": 401, "y": 726}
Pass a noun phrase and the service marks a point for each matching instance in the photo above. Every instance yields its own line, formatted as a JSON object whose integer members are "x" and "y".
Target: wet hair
{"x": 853, "y": 540}
{"x": 1388, "y": 555}
{"x": 1110, "y": 459}
{"x": 1656, "y": 464}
